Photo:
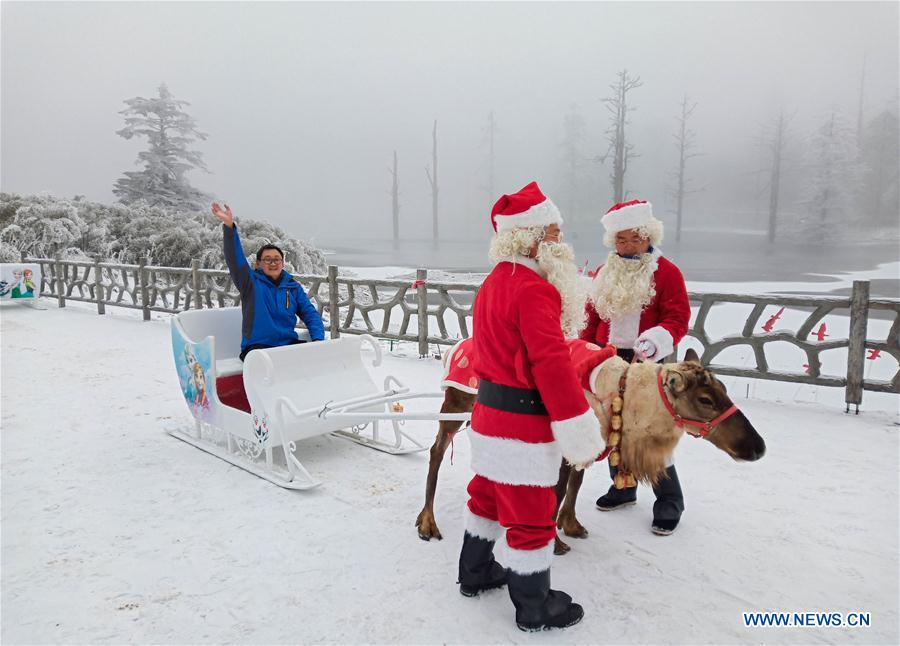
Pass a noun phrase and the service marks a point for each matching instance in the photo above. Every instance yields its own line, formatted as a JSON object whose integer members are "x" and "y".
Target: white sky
{"x": 305, "y": 102}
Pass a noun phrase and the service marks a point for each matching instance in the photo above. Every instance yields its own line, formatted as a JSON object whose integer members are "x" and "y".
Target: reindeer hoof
{"x": 428, "y": 529}
{"x": 576, "y": 532}
{"x": 568, "y": 523}
{"x": 559, "y": 547}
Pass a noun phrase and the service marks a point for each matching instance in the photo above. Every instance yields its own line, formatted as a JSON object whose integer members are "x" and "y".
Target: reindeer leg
{"x": 559, "y": 546}
{"x": 455, "y": 401}
{"x": 566, "y": 519}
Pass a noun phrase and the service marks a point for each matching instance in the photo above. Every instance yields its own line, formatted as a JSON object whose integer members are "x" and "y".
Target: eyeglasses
{"x": 271, "y": 261}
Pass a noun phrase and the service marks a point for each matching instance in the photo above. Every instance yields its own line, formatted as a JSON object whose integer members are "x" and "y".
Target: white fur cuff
{"x": 514, "y": 462}
{"x": 479, "y": 527}
{"x": 579, "y": 437}
{"x": 525, "y": 562}
{"x": 660, "y": 337}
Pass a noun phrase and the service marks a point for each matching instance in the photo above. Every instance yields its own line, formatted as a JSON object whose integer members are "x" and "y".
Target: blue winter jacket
{"x": 270, "y": 308}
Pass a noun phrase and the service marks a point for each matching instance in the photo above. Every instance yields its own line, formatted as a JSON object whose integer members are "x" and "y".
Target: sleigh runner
{"x": 253, "y": 414}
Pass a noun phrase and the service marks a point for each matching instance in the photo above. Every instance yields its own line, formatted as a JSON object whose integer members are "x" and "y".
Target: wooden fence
{"x": 443, "y": 310}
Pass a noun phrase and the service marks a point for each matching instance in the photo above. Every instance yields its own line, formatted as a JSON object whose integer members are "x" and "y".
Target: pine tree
{"x": 169, "y": 131}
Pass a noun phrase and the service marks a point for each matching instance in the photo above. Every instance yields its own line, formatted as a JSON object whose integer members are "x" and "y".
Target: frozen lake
{"x": 703, "y": 257}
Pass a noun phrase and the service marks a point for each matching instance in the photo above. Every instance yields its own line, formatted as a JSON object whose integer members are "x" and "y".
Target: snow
{"x": 113, "y": 531}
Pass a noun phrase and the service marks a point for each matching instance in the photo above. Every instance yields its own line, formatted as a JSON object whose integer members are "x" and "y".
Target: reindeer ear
{"x": 691, "y": 355}
{"x": 676, "y": 381}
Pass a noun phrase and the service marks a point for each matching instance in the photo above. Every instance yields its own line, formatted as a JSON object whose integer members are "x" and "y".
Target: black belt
{"x": 509, "y": 399}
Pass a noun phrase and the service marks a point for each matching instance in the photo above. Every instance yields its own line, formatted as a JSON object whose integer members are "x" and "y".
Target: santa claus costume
{"x": 531, "y": 411}
{"x": 639, "y": 303}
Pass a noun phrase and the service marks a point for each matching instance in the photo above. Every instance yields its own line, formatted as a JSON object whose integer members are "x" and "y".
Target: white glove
{"x": 646, "y": 348}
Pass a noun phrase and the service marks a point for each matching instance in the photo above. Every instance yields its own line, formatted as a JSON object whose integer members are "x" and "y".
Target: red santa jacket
{"x": 518, "y": 342}
{"x": 664, "y": 320}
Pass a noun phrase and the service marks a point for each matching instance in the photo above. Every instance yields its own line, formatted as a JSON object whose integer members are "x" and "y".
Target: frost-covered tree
{"x": 46, "y": 229}
{"x": 881, "y": 155}
{"x": 43, "y": 226}
{"x": 170, "y": 131}
{"x": 832, "y": 181}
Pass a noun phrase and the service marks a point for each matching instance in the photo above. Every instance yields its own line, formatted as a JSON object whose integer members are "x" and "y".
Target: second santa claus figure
{"x": 639, "y": 303}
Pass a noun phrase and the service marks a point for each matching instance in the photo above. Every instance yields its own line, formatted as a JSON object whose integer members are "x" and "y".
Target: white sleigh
{"x": 253, "y": 414}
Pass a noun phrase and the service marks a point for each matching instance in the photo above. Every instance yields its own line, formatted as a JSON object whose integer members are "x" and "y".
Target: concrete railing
{"x": 427, "y": 312}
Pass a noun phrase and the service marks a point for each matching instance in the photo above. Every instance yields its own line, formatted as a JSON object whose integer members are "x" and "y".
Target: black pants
{"x": 262, "y": 346}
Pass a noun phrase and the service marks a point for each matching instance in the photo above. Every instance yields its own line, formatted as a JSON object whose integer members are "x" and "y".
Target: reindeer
{"x": 659, "y": 404}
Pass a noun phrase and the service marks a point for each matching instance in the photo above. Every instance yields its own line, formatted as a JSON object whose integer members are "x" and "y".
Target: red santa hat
{"x": 628, "y": 215}
{"x": 527, "y": 208}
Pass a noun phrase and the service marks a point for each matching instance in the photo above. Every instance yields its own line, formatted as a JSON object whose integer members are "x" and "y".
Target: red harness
{"x": 705, "y": 427}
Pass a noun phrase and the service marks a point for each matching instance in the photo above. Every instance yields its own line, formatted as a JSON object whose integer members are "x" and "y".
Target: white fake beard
{"x": 624, "y": 286}
{"x": 558, "y": 262}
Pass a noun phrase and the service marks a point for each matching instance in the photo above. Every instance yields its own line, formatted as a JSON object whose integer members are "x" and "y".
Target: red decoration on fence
{"x": 873, "y": 354}
{"x": 418, "y": 283}
{"x": 806, "y": 368}
{"x": 771, "y": 322}
{"x": 820, "y": 335}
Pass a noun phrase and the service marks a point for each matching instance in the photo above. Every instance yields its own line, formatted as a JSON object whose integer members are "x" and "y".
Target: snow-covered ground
{"x": 115, "y": 532}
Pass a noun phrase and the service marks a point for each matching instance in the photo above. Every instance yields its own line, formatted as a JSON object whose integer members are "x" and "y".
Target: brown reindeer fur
{"x": 649, "y": 436}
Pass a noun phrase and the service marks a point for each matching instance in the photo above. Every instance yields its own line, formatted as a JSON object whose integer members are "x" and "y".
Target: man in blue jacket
{"x": 271, "y": 300}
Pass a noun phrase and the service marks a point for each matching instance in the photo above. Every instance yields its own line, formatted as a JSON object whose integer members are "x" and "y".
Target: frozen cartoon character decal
{"x": 261, "y": 427}
{"x": 18, "y": 281}
{"x": 200, "y": 398}
{"x": 28, "y": 281}
{"x": 193, "y": 362}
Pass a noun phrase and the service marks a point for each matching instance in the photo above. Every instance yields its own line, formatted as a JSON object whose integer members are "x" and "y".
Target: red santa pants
{"x": 525, "y": 511}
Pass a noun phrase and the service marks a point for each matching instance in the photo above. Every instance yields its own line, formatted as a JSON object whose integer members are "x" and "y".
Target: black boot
{"x": 537, "y": 606}
{"x": 669, "y": 503}
{"x": 477, "y": 568}
{"x": 616, "y": 498}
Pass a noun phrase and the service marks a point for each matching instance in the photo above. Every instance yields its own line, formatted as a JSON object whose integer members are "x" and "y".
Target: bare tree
{"x": 573, "y": 157}
{"x": 490, "y": 132}
{"x": 432, "y": 176}
{"x": 685, "y": 143}
{"x": 617, "y": 104}
{"x": 859, "y": 114}
{"x": 773, "y": 141}
{"x": 395, "y": 200}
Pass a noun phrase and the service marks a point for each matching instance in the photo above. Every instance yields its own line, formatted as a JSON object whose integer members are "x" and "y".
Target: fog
{"x": 304, "y": 103}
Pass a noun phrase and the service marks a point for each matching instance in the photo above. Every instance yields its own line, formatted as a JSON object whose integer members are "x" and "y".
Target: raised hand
{"x": 224, "y": 215}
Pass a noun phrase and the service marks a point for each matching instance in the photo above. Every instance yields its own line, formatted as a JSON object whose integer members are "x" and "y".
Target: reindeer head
{"x": 698, "y": 395}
